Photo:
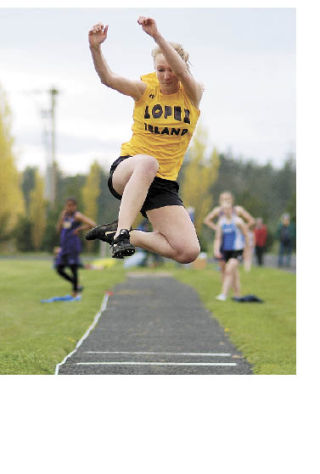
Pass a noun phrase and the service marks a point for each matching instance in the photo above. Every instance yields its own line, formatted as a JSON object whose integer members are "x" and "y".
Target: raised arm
{"x": 193, "y": 89}
{"x": 135, "y": 89}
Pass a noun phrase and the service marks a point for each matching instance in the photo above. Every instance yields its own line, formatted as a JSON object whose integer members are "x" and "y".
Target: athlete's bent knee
{"x": 148, "y": 165}
{"x": 188, "y": 255}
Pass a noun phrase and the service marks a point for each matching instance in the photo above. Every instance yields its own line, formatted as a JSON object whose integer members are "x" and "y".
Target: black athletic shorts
{"x": 227, "y": 254}
{"x": 162, "y": 192}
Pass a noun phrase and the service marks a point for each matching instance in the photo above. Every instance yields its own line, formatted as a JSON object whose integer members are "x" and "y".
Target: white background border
{"x": 187, "y": 424}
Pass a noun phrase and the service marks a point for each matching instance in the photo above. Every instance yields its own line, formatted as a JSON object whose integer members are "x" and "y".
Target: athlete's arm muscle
{"x": 208, "y": 220}
{"x": 134, "y": 89}
{"x": 217, "y": 241}
{"x": 193, "y": 89}
{"x": 242, "y": 212}
{"x": 85, "y": 220}
{"x": 244, "y": 229}
{"x": 87, "y": 223}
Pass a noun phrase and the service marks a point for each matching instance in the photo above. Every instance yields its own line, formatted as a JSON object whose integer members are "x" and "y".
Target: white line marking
{"x": 96, "y": 319}
{"x": 204, "y": 354}
{"x": 159, "y": 363}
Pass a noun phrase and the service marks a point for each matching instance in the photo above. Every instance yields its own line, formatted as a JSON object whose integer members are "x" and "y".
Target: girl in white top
{"x": 226, "y": 199}
{"x": 230, "y": 240}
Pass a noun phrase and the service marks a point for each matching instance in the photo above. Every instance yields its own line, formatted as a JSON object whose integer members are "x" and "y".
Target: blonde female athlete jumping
{"x": 166, "y": 110}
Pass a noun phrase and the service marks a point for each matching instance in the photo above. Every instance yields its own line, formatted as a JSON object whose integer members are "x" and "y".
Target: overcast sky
{"x": 244, "y": 57}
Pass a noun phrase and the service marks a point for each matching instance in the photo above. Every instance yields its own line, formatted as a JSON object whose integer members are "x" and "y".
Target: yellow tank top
{"x": 163, "y": 125}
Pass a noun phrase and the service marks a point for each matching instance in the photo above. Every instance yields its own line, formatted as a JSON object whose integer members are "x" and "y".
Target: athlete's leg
{"x": 132, "y": 179}
{"x": 74, "y": 270}
{"x": 236, "y": 283}
{"x": 247, "y": 259}
{"x": 61, "y": 272}
{"x": 173, "y": 235}
{"x": 222, "y": 265}
{"x": 230, "y": 269}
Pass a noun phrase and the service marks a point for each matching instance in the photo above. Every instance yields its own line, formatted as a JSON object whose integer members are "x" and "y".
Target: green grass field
{"x": 264, "y": 333}
{"x": 34, "y": 337}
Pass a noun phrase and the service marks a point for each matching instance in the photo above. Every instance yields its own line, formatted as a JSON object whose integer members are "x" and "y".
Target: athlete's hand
{"x": 148, "y": 25}
{"x": 217, "y": 254}
{"x": 97, "y": 34}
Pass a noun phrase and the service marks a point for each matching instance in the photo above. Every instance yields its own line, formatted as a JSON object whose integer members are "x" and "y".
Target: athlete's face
{"x": 227, "y": 208}
{"x": 70, "y": 207}
{"x": 167, "y": 78}
{"x": 226, "y": 199}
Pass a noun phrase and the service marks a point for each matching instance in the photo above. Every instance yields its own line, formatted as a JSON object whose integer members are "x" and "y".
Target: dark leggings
{"x": 73, "y": 279}
{"x": 259, "y": 254}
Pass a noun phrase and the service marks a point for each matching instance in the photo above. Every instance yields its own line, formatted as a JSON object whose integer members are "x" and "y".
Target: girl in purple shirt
{"x": 70, "y": 223}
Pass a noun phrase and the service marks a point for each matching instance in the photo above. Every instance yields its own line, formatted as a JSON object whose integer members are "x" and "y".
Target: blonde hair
{"x": 178, "y": 48}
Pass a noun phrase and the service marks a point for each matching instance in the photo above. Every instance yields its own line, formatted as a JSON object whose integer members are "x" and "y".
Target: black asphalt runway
{"x": 154, "y": 324}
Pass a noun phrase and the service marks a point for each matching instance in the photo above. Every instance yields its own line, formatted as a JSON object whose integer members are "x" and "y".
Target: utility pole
{"x": 49, "y": 139}
{"x": 52, "y": 168}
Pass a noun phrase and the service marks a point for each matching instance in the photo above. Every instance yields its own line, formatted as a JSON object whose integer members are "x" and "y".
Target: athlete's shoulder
{"x": 215, "y": 212}
{"x": 194, "y": 94}
{"x": 149, "y": 83}
{"x": 150, "y": 79}
{"x": 238, "y": 209}
{"x": 78, "y": 216}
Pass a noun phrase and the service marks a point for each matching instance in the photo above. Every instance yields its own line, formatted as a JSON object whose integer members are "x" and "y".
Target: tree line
{"x": 28, "y": 221}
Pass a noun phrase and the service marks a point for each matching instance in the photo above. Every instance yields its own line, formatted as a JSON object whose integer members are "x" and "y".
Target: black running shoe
{"x": 103, "y": 232}
{"x": 121, "y": 246}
